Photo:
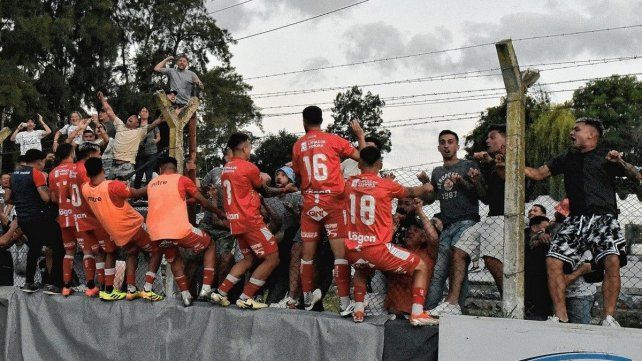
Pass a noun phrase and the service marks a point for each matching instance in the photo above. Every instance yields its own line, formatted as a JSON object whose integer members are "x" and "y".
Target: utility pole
{"x": 513, "y": 296}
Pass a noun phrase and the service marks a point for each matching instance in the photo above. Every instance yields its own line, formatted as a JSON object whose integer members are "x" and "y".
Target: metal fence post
{"x": 513, "y": 297}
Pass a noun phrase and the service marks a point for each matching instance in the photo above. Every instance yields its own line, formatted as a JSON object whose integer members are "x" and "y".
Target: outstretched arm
{"x": 537, "y": 174}
{"x": 419, "y": 191}
{"x": 629, "y": 169}
{"x": 106, "y": 106}
{"x": 44, "y": 126}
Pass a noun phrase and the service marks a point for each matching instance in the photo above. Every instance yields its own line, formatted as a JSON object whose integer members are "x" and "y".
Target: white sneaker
{"x": 286, "y": 302}
{"x": 348, "y": 310}
{"x": 311, "y": 298}
{"x": 609, "y": 321}
{"x": 187, "y": 299}
{"x": 205, "y": 295}
{"x": 553, "y": 319}
{"x": 445, "y": 308}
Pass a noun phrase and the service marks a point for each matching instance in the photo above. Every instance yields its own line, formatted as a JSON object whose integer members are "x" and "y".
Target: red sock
{"x": 100, "y": 269}
{"x": 89, "y": 263}
{"x": 307, "y": 276}
{"x": 342, "y": 277}
{"x": 67, "y": 268}
{"x": 181, "y": 281}
{"x": 131, "y": 279}
{"x": 418, "y": 299}
{"x": 149, "y": 277}
{"x": 252, "y": 287}
{"x": 359, "y": 293}
{"x": 227, "y": 284}
{"x": 208, "y": 276}
{"x": 109, "y": 276}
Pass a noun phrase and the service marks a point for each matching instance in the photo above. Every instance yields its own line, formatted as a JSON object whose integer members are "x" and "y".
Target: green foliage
{"x": 617, "y": 101}
{"x": 368, "y": 109}
{"x": 274, "y": 151}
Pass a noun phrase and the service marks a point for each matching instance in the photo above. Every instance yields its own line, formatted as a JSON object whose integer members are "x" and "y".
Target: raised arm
{"x": 629, "y": 169}
{"x": 44, "y": 126}
{"x": 15, "y": 132}
{"x": 106, "y": 106}
{"x": 160, "y": 66}
{"x": 78, "y": 131}
{"x": 425, "y": 179}
{"x": 537, "y": 174}
{"x": 154, "y": 124}
{"x": 419, "y": 191}
{"x": 429, "y": 228}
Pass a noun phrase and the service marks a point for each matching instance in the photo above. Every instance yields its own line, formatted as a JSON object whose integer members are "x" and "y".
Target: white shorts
{"x": 484, "y": 239}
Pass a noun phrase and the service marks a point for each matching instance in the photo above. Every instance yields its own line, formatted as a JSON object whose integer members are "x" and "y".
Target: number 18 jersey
{"x": 369, "y": 207}
{"x": 316, "y": 157}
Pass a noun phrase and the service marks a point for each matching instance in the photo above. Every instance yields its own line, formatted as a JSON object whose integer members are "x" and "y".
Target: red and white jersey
{"x": 241, "y": 201}
{"x": 369, "y": 207}
{"x": 62, "y": 182}
{"x": 316, "y": 157}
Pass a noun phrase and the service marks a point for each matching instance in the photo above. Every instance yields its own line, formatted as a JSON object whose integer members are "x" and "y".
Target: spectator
{"x": 181, "y": 79}
{"x": 350, "y": 167}
{"x": 145, "y": 160}
{"x": 485, "y": 238}
{"x": 68, "y": 129}
{"x": 128, "y": 138}
{"x": 589, "y": 181}
{"x": 107, "y": 123}
{"x": 580, "y": 294}
{"x": 31, "y": 138}
{"x": 422, "y": 239}
{"x": 537, "y": 300}
{"x": 30, "y": 195}
{"x": 536, "y": 210}
{"x": 458, "y": 198}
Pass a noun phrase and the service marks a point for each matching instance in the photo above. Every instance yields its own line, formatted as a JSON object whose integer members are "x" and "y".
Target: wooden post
{"x": 513, "y": 298}
{"x": 176, "y": 124}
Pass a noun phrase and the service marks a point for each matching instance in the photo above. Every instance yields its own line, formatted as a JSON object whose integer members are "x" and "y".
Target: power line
{"x": 392, "y": 58}
{"x": 301, "y": 21}
{"x": 451, "y": 76}
{"x": 228, "y": 7}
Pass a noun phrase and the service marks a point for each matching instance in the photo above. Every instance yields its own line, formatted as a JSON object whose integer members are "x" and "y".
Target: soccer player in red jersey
{"x": 65, "y": 191}
{"x": 241, "y": 181}
{"x": 90, "y": 230}
{"x": 316, "y": 159}
{"x": 370, "y": 231}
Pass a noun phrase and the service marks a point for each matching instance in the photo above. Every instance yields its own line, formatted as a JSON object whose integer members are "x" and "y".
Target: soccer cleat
{"x": 133, "y": 295}
{"x": 423, "y": 319}
{"x": 150, "y": 296}
{"x": 218, "y": 299}
{"x": 30, "y": 287}
{"x": 51, "y": 290}
{"x": 250, "y": 304}
{"x": 445, "y": 308}
{"x": 67, "y": 291}
{"x": 311, "y": 298}
{"x": 358, "y": 316}
{"x": 114, "y": 295}
{"x": 286, "y": 302}
{"x": 348, "y": 310}
{"x": 92, "y": 292}
{"x": 187, "y": 299}
{"x": 609, "y": 321}
{"x": 204, "y": 295}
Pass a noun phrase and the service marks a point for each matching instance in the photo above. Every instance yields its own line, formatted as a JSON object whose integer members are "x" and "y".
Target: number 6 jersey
{"x": 369, "y": 204}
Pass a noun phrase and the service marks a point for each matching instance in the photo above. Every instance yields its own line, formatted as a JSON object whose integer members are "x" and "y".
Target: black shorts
{"x": 599, "y": 234}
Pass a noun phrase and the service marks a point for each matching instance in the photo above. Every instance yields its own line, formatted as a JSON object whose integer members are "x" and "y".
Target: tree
{"x": 617, "y": 101}
{"x": 275, "y": 151}
{"x": 368, "y": 109}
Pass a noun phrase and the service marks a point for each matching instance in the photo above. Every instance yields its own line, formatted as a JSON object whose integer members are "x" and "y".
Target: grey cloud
{"x": 304, "y": 79}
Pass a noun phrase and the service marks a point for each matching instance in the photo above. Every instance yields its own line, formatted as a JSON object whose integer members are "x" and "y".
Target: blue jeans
{"x": 447, "y": 240}
{"x": 579, "y": 309}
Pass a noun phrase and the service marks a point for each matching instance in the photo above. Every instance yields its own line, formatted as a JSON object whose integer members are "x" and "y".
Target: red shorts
{"x": 142, "y": 241}
{"x": 260, "y": 241}
{"x": 327, "y": 210}
{"x": 197, "y": 241}
{"x": 383, "y": 257}
{"x": 95, "y": 240}
{"x": 69, "y": 238}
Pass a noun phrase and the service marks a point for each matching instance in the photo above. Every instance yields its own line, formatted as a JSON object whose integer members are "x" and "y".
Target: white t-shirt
{"x": 70, "y": 128}
{"x": 29, "y": 140}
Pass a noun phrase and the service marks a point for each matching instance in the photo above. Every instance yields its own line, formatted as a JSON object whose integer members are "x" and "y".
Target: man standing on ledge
{"x": 181, "y": 79}
{"x": 589, "y": 181}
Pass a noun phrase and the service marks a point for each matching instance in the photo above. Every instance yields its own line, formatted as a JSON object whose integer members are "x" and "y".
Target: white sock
{"x": 206, "y": 288}
{"x": 185, "y": 294}
{"x": 358, "y": 306}
{"x": 345, "y": 302}
{"x": 147, "y": 287}
{"x": 243, "y": 296}
{"x": 131, "y": 288}
{"x": 417, "y": 309}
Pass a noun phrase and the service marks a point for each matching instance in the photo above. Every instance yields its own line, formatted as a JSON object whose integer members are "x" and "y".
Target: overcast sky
{"x": 384, "y": 28}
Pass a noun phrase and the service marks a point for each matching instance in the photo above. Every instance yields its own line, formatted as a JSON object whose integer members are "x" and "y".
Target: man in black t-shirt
{"x": 589, "y": 180}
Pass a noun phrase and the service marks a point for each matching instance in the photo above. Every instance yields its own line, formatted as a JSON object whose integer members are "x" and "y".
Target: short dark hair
{"x": 166, "y": 160}
{"x": 370, "y": 155}
{"x": 236, "y": 139}
{"x": 448, "y": 131}
{"x": 102, "y": 110}
{"x": 537, "y": 220}
{"x": 500, "y": 128}
{"x": 541, "y": 207}
{"x": 313, "y": 115}
{"x": 63, "y": 151}
{"x": 377, "y": 142}
{"x": 594, "y": 122}
{"x": 33, "y": 155}
{"x": 85, "y": 148}
{"x": 88, "y": 131}
{"x": 93, "y": 166}
{"x": 182, "y": 55}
